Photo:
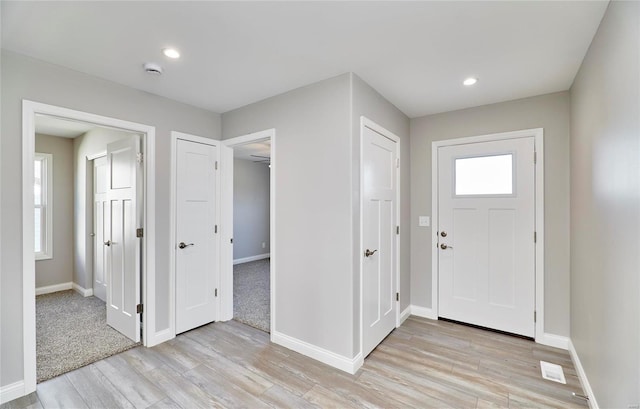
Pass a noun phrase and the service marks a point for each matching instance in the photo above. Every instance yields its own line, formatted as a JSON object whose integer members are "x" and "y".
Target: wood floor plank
{"x": 166, "y": 403}
{"x": 279, "y": 397}
{"x": 60, "y": 393}
{"x": 29, "y": 401}
{"x": 138, "y": 390}
{"x": 96, "y": 389}
{"x": 180, "y": 391}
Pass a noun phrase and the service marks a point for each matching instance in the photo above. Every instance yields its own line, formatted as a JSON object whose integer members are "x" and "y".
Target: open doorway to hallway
{"x": 251, "y": 234}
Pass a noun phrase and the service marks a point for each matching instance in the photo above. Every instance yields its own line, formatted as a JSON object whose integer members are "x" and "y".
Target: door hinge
{"x": 231, "y": 240}
{"x": 397, "y": 229}
{"x": 215, "y": 293}
{"x": 535, "y": 316}
{"x": 397, "y": 162}
{"x": 535, "y": 237}
{"x": 215, "y": 230}
{"x": 535, "y": 157}
{"x": 139, "y": 157}
{"x": 139, "y": 309}
{"x": 216, "y": 165}
{"x": 140, "y": 232}
{"x": 397, "y": 296}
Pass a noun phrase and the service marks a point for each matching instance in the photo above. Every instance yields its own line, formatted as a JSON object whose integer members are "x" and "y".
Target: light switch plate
{"x": 424, "y": 221}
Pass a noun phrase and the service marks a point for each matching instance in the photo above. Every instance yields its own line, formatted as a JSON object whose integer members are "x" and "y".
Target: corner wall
{"x": 605, "y": 209}
{"x": 550, "y": 112}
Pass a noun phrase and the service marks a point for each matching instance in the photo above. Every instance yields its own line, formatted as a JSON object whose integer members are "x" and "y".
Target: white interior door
{"x": 486, "y": 224}
{"x": 197, "y": 272}
{"x": 380, "y": 167}
{"x": 123, "y": 247}
{"x": 100, "y": 209}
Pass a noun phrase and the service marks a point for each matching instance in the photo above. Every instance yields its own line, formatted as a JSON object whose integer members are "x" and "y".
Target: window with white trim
{"x": 43, "y": 205}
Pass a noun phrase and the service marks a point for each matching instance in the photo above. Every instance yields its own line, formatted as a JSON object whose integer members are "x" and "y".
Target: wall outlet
{"x": 264, "y": 245}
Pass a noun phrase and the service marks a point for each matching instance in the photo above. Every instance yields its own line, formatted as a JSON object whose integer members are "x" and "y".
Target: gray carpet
{"x": 72, "y": 331}
{"x": 251, "y": 294}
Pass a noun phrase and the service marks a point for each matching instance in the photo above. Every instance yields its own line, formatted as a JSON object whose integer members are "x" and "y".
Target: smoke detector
{"x": 152, "y": 68}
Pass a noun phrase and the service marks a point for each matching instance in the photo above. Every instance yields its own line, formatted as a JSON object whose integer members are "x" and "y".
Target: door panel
{"x": 123, "y": 217}
{"x": 379, "y": 225}
{"x": 197, "y": 262}
{"x": 487, "y": 267}
{"x": 100, "y": 206}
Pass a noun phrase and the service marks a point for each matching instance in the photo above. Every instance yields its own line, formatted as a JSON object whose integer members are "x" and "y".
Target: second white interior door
{"x": 196, "y": 238}
{"x": 100, "y": 209}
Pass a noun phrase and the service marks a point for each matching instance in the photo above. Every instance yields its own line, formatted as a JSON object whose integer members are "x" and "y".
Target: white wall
{"x": 93, "y": 142}
{"x": 59, "y": 269}
{"x": 26, "y": 78}
{"x": 550, "y": 112}
{"x": 314, "y": 269}
{"x": 250, "y": 208}
{"x": 605, "y": 209}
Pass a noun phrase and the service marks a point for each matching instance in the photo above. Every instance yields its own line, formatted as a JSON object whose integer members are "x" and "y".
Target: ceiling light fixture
{"x": 171, "y": 53}
{"x": 470, "y": 81}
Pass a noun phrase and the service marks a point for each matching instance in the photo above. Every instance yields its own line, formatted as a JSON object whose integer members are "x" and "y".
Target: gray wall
{"x": 313, "y": 208}
{"x": 550, "y": 112}
{"x": 59, "y": 269}
{"x": 26, "y": 78}
{"x": 605, "y": 209}
{"x": 317, "y": 203}
{"x": 93, "y": 142}
{"x": 250, "y": 208}
{"x": 367, "y": 102}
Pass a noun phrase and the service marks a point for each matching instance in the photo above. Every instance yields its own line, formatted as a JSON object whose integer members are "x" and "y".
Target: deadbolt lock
{"x": 443, "y": 233}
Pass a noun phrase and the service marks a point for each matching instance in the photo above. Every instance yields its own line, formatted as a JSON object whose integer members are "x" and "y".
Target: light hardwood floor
{"x": 424, "y": 364}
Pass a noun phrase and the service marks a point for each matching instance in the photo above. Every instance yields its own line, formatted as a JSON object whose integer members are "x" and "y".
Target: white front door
{"x": 380, "y": 167}
{"x": 122, "y": 219}
{"x": 486, "y": 223}
{"x": 197, "y": 256}
{"x": 100, "y": 210}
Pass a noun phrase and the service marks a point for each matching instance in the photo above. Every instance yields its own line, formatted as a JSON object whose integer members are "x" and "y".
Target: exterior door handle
{"x": 444, "y": 247}
{"x": 369, "y": 253}
{"x": 107, "y": 243}
{"x": 182, "y": 245}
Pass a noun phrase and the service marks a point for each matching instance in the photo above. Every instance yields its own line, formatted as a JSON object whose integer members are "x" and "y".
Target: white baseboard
{"x": 405, "y": 314}
{"x": 582, "y": 376}
{"x": 54, "y": 288}
{"x": 12, "y": 391}
{"x": 423, "y": 312}
{"x": 85, "y": 292}
{"x": 252, "y": 258}
{"x": 552, "y": 340}
{"x": 350, "y": 365}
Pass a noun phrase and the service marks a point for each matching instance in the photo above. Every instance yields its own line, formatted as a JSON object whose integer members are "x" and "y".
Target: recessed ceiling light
{"x": 470, "y": 81}
{"x": 171, "y": 53}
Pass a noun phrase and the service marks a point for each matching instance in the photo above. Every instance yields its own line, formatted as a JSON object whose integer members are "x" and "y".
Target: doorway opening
{"x": 249, "y": 166}
{"x": 65, "y": 211}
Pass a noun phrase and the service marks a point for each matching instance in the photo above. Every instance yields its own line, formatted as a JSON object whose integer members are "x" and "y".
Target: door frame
{"x": 226, "y": 272}
{"x": 367, "y": 123}
{"x": 29, "y": 111}
{"x": 538, "y": 135}
{"x": 175, "y": 136}
{"x": 90, "y": 162}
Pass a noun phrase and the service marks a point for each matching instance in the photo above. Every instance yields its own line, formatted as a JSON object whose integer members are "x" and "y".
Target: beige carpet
{"x": 72, "y": 331}
{"x": 251, "y": 295}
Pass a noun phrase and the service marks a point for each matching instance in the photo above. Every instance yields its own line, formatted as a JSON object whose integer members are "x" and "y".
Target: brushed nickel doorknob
{"x": 444, "y": 247}
{"x": 107, "y": 243}
{"x": 368, "y": 252}
{"x": 182, "y": 245}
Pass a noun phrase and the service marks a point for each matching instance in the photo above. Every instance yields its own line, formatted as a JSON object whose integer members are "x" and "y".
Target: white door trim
{"x": 227, "y": 271}
{"x": 172, "y": 220}
{"x": 538, "y": 135}
{"x": 367, "y": 123}
{"x": 29, "y": 111}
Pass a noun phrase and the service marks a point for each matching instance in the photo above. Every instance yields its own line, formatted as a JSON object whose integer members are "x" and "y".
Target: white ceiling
{"x": 234, "y": 53}
{"x": 256, "y": 152}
